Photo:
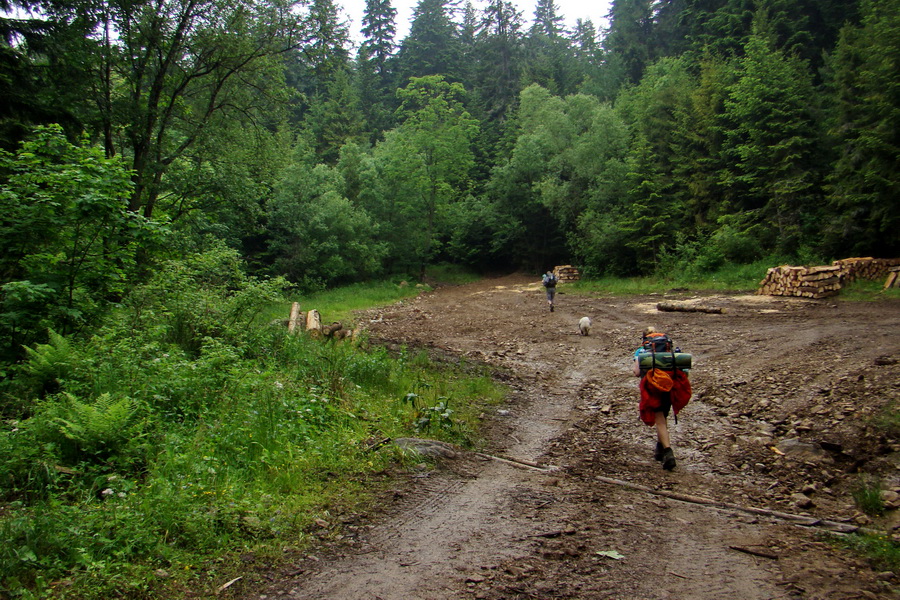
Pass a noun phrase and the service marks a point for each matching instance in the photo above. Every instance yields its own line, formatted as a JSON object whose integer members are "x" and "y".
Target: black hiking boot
{"x": 668, "y": 459}
{"x": 551, "y": 308}
{"x": 658, "y": 453}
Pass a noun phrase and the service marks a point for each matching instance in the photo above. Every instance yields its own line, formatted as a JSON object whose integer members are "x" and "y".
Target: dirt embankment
{"x": 787, "y": 394}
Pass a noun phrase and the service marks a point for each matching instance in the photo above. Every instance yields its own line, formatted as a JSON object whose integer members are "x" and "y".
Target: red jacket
{"x": 651, "y": 398}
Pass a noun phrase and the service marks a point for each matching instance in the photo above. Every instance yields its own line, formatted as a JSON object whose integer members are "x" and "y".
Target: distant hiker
{"x": 549, "y": 281}
{"x": 664, "y": 386}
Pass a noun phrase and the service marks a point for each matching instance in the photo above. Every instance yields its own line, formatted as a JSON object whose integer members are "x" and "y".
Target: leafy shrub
{"x": 737, "y": 245}
{"x": 26, "y": 465}
{"x": 67, "y": 228}
{"x": 439, "y": 416}
{"x": 203, "y": 296}
{"x": 23, "y": 315}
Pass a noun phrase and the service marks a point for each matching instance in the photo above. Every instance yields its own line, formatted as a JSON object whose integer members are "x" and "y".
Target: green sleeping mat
{"x": 664, "y": 360}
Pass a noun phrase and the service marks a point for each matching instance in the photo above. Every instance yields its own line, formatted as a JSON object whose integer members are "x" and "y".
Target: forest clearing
{"x": 174, "y": 175}
{"x": 788, "y": 394}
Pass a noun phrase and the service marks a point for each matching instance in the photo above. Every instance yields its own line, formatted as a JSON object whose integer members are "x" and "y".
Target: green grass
{"x": 867, "y": 495}
{"x": 735, "y": 278}
{"x": 339, "y": 304}
{"x": 730, "y": 278}
{"x": 888, "y": 420}
{"x": 245, "y": 446}
{"x": 882, "y": 551}
{"x": 868, "y": 291}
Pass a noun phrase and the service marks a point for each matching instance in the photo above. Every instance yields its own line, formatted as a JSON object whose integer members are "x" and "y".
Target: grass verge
{"x": 880, "y": 550}
{"x": 735, "y": 278}
{"x": 868, "y": 291}
{"x": 340, "y": 304}
{"x": 155, "y": 456}
{"x": 731, "y": 278}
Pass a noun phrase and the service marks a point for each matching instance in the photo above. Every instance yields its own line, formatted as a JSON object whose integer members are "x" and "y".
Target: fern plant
{"x": 47, "y": 365}
{"x": 94, "y": 430}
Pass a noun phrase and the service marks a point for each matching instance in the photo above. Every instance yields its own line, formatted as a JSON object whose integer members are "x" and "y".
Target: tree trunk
{"x": 672, "y": 307}
{"x": 314, "y": 323}
{"x": 295, "y": 322}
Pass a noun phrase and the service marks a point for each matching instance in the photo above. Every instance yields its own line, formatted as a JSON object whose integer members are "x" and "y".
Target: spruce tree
{"x": 771, "y": 142}
{"x": 432, "y": 46}
{"x": 864, "y": 186}
{"x": 550, "y": 61}
{"x": 628, "y": 42}
{"x": 374, "y": 79}
{"x": 379, "y": 30}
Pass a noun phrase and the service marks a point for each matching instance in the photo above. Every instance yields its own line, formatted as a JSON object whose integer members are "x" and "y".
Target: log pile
{"x": 868, "y": 268}
{"x": 566, "y": 274}
{"x": 311, "y": 322}
{"x": 806, "y": 282}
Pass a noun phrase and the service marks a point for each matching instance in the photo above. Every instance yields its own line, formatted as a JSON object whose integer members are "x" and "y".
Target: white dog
{"x": 584, "y": 326}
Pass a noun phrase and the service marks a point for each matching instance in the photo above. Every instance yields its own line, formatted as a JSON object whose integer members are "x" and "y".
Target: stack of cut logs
{"x": 566, "y": 273}
{"x": 871, "y": 269}
{"x": 821, "y": 282}
{"x": 807, "y": 282}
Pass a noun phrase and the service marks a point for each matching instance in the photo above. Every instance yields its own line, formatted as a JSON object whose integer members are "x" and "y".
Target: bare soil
{"x": 607, "y": 522}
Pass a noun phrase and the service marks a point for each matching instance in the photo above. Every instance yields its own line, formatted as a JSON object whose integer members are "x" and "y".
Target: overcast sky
{"x": 571, "y": 10}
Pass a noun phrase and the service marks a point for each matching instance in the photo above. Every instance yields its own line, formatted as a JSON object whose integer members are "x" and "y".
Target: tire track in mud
{"x": 425, "y": 551}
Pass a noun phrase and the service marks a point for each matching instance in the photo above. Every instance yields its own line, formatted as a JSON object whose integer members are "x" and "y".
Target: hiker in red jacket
{"x": 662, "y": 390}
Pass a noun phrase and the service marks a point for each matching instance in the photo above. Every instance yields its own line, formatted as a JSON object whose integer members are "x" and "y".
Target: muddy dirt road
{"x": 787, "y": 394}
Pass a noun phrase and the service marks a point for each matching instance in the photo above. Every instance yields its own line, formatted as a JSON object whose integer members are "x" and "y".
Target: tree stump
{"x": 295, "y": 322}
{"x": 314, "y": 323}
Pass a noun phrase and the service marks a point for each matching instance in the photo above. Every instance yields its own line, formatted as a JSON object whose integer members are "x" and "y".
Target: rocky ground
{"x": 786, "y": 421}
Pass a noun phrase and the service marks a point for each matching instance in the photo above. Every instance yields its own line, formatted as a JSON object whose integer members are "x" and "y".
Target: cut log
{"x": 314, "y": 323}
{"x": 295, "y": 322}
{"x": 673, "y": 307}
{"x": 329, "y": 330}
{"x": 892, "y": 279}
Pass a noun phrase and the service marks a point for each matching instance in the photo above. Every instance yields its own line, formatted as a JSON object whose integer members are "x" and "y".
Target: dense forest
{"x": 689, "y": 134}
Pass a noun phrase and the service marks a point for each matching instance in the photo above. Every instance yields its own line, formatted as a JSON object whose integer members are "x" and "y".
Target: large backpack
{"x": 660, "y": 353}
{"x": 550, "y": 281}
{"x": 657, "y": 342}
{"x": 663, "y": 366}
